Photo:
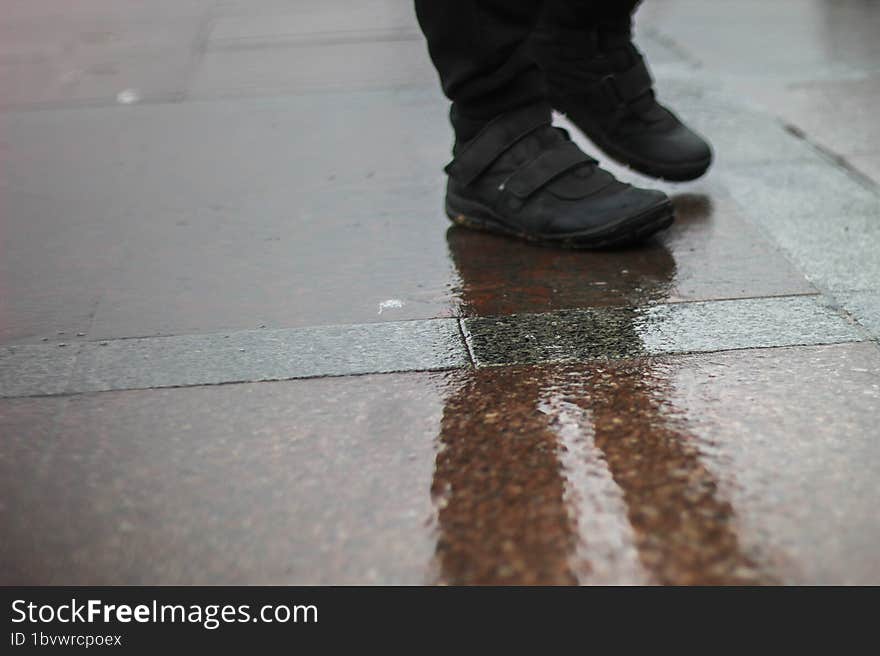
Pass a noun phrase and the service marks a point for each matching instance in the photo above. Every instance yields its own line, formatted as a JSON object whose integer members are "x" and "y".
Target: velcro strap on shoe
{"x": 617, "y": 90}
{"x": 542, "y": 170}
{"x": 495, "y": 139}
{"x": 632, "y": 83}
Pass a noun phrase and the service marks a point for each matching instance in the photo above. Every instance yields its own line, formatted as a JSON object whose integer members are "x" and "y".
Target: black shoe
{"x": 599, "y": 79}
{"x": 521, "y": 176}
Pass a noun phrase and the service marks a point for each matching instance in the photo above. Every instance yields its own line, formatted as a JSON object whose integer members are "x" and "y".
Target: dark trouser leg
{"x": 588, "y": 13}
{"x": 598, "y": 78}
{"x": 479, "y": 50}
{"x": 517, "y": 175}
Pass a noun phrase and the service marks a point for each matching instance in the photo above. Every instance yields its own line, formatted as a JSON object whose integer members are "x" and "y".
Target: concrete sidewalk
{"x": 240, "y": 343}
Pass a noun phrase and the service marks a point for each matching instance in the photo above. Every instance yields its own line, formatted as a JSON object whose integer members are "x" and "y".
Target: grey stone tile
{"x": 664, "y": 56}
{"x": 742, "y": 136}
{"x": 790, "y": 437}
{"x": 563, "y": 336}
{"x": 840, "y": 115}
{"x": 869, "y": 165}
{"x": 327, "y": 67}
{"x": 676, "y": 328}
{"x": 826, "y": 221}
{"x": 31, "y": 370}
{"x": 84, "y": 57}
{"x": 865, "y": 307}
{"x": 720, "y": 255}
{"x": 741, "y": 324}
{"x": 237, "y": 25}
{"x": 573, "y": 335}
{"x": 269, "y": 355}
{"x": 788, "y": 192}
{"x": 807, "y": 40}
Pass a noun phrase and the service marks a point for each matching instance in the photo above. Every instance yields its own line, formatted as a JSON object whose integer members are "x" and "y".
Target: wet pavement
{"x": 240, "y": 343}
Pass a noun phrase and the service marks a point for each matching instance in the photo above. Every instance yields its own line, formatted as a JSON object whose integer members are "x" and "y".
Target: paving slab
{"x": 283, "y": 69}
{"x": 270, "y": 355}
{"x": 92, "y": 53}
{"x": 51, "y": 11}
{"x": 825, "y": 219}
{"x": 794, "y": 453}
{"x": 840, "y": 115}
{"x": 163, "y": 191}
{"x": 324, "y": 483}
{"x": 31, "y": 370}
{"x": 27, "y": 428}
{"x": 744, "y": 467}
{"x": 868, "y": 165}
{"x": 865, "y": 307}
{"x": 58, "y": 253}
{"x": 808, "y": 39}
{"x": 126, "y": 79}
{"x": 237, "y": 24}
{"x": 748, "y": 323}
{"x": 425, "y": 345}
{"x": 710, "y": 252}
{"x": 577, "y": 335}
{"x": 158, "y": 226}
{"x": 214, "y": 178}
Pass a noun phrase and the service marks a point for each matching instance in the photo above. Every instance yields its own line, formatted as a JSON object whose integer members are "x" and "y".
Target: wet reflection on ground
{"x": 506, "y": 276}
{"x": 576, "y": 473}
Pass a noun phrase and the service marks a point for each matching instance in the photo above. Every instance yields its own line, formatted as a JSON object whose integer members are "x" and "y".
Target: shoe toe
{"x": 677, "y": 147}
{"x": 606, "y": 212}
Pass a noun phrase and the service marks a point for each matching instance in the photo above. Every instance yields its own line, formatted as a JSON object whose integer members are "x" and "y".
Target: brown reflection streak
{"x": 684, "y": 531}
{"x": 503, "y": 513}
{"x": 503, "y": 276}
{"x": 498, "y": 488}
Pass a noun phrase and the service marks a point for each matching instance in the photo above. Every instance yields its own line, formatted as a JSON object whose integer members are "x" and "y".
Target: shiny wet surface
{"x": 257, "y": 189}
{"x": 635, "y": 471}
{"x": 240, "y": 245}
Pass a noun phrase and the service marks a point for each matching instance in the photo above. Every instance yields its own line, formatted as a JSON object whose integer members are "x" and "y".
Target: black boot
{"x": 598, "y": 78}
{"x": 521, "y": 176}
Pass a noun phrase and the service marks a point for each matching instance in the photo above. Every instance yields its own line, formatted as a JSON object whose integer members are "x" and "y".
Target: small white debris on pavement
{"x": 128, "y": 96}
{"x": 390, "y": 304}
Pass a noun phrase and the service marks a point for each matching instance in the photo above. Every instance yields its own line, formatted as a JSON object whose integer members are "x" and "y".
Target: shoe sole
{"x": 628, "y": 230}
{"x": 673, "y": 173}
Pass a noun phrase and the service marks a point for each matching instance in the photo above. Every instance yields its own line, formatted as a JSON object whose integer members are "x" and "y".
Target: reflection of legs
{"x": 499, "y": 488}
{"x": 508, "y": 511}
{"x": 502, "y": 478}
{"x": 684, "y": 532}
{"x": 478, "y": 47}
